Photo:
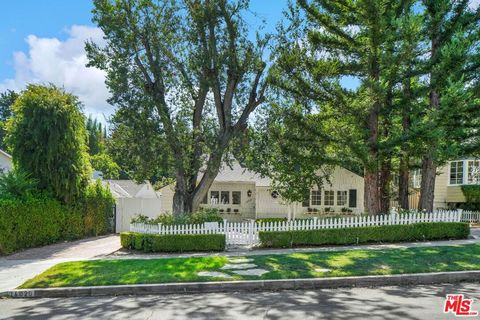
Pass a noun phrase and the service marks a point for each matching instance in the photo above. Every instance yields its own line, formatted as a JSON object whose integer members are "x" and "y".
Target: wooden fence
{"x": 246, "y": 233}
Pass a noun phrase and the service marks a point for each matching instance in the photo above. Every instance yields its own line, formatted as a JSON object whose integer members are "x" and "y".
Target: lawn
{"x": 285, "y": 266}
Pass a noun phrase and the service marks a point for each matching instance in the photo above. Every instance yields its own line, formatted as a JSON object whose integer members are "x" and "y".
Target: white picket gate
{"x": 246, "y": 233}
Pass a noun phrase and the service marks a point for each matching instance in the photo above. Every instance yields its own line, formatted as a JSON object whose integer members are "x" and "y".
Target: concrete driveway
{"x": 21, "y": 266}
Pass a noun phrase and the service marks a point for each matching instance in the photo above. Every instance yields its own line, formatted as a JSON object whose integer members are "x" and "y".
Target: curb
{"x": 250, "y": 285}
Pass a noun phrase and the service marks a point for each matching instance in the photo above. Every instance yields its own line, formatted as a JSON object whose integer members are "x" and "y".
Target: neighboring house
{"x": 132, "y": 199}
{"x": 6, "y": 163}
{"x": 451, "y": 177}
{"x": 242, "y": 194}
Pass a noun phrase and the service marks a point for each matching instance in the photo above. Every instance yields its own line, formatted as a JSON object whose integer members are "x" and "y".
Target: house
{"x": 131, "y": 199}
{"x": 242, "y": 194}
{"x": 6, "y": 163}
{"x": 451, "y": 177}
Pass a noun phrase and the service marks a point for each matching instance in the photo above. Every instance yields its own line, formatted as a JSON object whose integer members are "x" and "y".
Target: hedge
{"x": 33, "y": 222}
{"x": 392, "y": 233}
{"x": 172, "y": 243}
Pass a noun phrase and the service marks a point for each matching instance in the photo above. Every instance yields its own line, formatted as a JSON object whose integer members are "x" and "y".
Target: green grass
{"x": 286, "y": 266}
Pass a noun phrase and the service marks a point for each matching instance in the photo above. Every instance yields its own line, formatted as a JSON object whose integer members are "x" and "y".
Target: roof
{"x": 5, "y": 154}
{"x": 125, "y": 188}
{"x": 236, "y": 173}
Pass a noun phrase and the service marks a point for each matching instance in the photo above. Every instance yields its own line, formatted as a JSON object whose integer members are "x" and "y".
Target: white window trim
{"x": 465, "y": 172}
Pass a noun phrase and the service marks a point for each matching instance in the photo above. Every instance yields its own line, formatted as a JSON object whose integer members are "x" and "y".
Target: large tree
{"x": 47, "y": 138}
{"x": 327, "y": 41}
{"x": 453, "y": 36}
{"x": 191, "y": 68}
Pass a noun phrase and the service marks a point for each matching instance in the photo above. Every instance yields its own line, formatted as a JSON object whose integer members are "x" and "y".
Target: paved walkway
{"x": 19, "y": 267}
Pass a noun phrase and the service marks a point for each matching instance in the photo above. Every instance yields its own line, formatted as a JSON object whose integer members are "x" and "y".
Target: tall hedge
{"x": 33, "y": 222}
{"x": 47, "y": 139}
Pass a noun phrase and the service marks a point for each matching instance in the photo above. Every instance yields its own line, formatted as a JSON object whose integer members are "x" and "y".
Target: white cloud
{"x": 50, "y": 60}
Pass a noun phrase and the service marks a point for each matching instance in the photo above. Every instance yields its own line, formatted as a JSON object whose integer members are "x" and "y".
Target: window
{"x": 341, "y": 198}
{"x": 352, "y": 198}
{"x": 456, "y": 172}
{"x": 236, "y": 197}
{"x": 329, "y": 198}
{"x": 214, "y": 197}
{"x": 225, "y": 197}
{"x": 473, "y": 172}
{"x": 316, "y": 198}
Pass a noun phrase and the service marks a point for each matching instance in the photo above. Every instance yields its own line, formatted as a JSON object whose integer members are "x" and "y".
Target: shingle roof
{"x": 124, "y": 188}
{"x": 236, "y": 173}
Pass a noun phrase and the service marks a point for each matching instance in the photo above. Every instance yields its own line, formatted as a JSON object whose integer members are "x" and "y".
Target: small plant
{"x": 17, "y": 184}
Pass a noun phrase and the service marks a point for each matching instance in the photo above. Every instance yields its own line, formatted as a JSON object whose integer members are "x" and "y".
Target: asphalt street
{"x": 418, "y": 302}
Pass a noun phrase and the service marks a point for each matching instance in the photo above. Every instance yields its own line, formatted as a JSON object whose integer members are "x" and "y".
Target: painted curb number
{"x": 22, "y": 294}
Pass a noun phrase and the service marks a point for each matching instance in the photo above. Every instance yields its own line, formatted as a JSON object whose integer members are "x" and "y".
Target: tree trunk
{"x": 428, "y": 183}
{"x": 404, "y": 170}
{"x": 372, "y": 194}
{"x": 385, "y": 180}
{"x": 429, "y": 168}
{"x": 403, "y": 181}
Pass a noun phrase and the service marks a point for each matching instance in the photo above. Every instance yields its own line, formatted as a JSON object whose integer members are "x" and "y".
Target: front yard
{"x": 281, "y": 266}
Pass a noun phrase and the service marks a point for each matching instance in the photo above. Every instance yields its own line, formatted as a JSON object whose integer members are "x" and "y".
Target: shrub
{"x": 264, "y": 220}
{"x": 97, "y": 207}
{"x": 172, "y": 243}
{"x": 29, "y": 223}
{"x": 394, "y": 233}
{"x": 17, "y": 184}
{"x": 198, "y": 217}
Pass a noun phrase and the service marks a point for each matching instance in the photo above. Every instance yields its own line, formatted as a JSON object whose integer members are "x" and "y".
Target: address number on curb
{"x": 22, "y": 294}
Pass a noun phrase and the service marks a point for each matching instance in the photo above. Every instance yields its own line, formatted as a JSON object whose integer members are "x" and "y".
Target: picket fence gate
{"x": 246, "y": 233}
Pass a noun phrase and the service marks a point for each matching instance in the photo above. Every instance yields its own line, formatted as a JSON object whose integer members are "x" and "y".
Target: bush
{"x": 31, "y": 222}
{"x": 264, "y": 220}
{"x": 172, "y": 243}
{"x": 198, "y": 217}
{"x": 394, "y": 233}
{"x": 17, "y": 184}
{"x": 97, "y": 207}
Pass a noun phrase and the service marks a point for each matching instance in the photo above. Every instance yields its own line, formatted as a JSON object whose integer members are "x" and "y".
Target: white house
{"x": 451, "y": 177}
{"x": 6, "y": 163}
{"x": 132, "y": 199}
{"x": 242, "y": 194}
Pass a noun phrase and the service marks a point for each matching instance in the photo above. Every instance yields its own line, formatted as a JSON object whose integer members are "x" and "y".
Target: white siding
{"x": 341, "y": 180}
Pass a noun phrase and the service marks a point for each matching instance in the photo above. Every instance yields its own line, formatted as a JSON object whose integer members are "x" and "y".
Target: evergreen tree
{"x": 7, "y": 99}
{"x": 47, "y": 137}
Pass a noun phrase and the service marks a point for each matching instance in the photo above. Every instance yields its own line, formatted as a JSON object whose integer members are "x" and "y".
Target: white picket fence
{"x": 246, "y": 233}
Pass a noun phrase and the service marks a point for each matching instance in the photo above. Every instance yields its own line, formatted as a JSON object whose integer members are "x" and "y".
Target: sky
{"x": 42, "y": 41}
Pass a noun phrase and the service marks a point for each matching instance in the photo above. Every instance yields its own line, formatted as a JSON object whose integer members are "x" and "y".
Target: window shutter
{"x": 352, "y": 198}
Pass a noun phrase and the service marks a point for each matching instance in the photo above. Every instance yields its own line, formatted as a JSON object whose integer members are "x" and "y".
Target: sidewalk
{"x": 21, "y": 266}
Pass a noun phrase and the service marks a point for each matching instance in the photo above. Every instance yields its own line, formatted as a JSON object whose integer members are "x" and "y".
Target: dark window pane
{"x": 236, "y": 197}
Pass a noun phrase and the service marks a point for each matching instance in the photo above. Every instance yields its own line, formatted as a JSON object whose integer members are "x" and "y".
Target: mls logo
{"x": 459, "y": 306}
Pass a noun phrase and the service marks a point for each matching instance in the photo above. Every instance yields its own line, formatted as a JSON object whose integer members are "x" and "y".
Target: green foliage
{"x": 172, "y": 243}
{"x": 162, "y": 59}
{"x": 34, "y": 222}
{"x": 265, "y": 220}
{"x": 104, "y": 163}
{"x": 17, "y": 184}
{"x": 7, "y": 99}
{"x": 39, "y": 220}
{"x": 197, "y": 217}
{"x": 47, "y": 137}
{"x": 97, "y": 209}
{"x": 96, "y": 135}
{"x": 346, "y": 236}
{"x": 472, "y": 197}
